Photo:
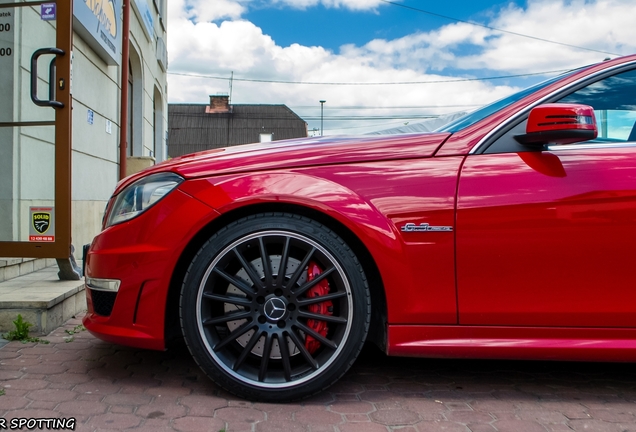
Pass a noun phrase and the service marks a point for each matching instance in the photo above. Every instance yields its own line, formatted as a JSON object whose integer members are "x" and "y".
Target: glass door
{"x": 35, "y": 128}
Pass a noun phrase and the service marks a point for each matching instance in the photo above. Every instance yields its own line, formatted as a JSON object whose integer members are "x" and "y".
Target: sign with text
{"x": 98, "y": 22}
{"x": 47, "y": 11}
{"x": 143, "y": 9}
{"x": 41, "y": 224}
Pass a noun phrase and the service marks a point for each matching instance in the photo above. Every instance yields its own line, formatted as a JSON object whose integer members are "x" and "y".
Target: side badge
{"x": 411, "y": 227}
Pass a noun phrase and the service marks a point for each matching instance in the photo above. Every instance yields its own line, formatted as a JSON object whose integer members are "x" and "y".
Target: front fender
{"x": 228, "y": 193}
{"x": 349, "y": 195}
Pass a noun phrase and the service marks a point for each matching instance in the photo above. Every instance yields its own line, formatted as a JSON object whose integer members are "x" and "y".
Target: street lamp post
{"x": 322, "y": 104}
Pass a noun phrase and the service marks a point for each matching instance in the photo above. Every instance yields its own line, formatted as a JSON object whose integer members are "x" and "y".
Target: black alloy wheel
{"x": 275, "y": 307}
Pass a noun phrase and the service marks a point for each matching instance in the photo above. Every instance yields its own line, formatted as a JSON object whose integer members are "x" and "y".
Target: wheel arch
{"x": 377, "y": 332}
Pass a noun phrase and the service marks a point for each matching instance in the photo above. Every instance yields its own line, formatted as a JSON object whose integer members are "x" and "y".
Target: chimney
{"x": 218, "y": 104}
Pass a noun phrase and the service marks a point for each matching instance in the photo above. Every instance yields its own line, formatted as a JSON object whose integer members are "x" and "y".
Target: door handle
{"x": 51, "y": 102}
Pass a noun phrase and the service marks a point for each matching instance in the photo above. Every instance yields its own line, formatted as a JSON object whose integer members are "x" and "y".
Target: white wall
{"x": 27, "y": 157}
{"x": 97, "y": 86}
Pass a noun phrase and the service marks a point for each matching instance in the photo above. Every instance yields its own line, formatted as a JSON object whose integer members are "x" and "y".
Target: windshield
{"x": 481, "y": 113}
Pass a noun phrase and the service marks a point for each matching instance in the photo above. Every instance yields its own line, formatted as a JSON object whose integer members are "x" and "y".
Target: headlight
{"x": 140, "y": 196}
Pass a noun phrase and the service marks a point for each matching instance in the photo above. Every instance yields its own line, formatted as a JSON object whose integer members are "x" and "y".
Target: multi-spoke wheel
{"x": 275, "y": 307}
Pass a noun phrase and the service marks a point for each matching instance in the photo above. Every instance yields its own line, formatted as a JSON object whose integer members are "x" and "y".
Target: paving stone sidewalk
{"x": 107, "y": 387}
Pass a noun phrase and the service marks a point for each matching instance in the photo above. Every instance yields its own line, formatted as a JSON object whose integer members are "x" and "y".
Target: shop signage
{"x": 98, "y": 22}
{"x": 47, "y": 11}
{"x": 41, "y": 224}
{"x": 142, "y": 8}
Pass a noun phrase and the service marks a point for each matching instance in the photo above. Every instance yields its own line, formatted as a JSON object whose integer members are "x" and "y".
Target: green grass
{"x": 21, "y": 332}
{"x": 76, "y": 329}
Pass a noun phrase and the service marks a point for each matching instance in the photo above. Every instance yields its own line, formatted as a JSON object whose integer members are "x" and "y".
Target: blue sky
{"x": 333, "y": 27}
{"x": 278, "y": 50}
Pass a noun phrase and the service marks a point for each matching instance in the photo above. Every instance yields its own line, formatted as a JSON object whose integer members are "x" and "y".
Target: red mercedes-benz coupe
{"x": 509, "y": 233}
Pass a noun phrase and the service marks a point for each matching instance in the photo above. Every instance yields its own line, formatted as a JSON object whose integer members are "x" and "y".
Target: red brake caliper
{"x": 324, "y": 308}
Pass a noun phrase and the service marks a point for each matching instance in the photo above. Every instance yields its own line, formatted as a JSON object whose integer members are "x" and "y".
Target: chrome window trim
{"x": 575, "y": 146}
{"x": 519, "y": 114}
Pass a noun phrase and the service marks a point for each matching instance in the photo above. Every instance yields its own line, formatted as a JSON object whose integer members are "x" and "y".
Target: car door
{"x": 547, "y": 237}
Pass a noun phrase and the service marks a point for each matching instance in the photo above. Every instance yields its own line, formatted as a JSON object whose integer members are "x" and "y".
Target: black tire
{"x": 246, "y": 323}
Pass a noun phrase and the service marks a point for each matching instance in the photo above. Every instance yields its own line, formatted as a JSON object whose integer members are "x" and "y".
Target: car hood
{"x": 298, "y": 153}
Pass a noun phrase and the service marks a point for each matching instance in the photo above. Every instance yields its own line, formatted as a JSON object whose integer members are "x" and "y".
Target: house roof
{"x": 192, "y": 129}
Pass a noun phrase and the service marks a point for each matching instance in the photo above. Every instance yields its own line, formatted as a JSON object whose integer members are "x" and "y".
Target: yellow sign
{"x": 104, "y": 11}
{"x": 98, "y": 22}
{"x": 42, "y": 227}
{"x": 41, "y": 222}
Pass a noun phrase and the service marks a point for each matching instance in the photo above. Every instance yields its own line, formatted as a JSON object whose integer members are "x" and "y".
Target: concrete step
{"x": 42, "y": 299}
{"x": 11, "y": 268}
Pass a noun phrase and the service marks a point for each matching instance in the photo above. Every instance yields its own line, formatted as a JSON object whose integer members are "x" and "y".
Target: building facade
{"x": 26, "y": 171}
{"x": 98, "y": 92}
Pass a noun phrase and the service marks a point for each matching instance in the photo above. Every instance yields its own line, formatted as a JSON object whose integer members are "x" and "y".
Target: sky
{"x": 381, "y": 64}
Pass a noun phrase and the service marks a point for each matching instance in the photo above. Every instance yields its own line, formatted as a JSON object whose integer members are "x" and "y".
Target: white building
{"x": 97, "y": 88}
{"x": 28, "y": 132}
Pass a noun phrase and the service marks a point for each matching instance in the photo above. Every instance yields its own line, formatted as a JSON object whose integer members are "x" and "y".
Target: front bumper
{"x": 142, "y": 253}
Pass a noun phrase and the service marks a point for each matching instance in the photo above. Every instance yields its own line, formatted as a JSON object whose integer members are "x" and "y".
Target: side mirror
{"x": 559, "y": 124}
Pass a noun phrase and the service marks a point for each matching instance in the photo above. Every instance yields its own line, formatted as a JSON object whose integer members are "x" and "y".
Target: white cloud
{"x": 232, "y": 45}
{"x": 423, "y": 51}
{"x": 604, "y": 25}
{"x": 197, "y": 44}
{"x": 201, "y": 11}
{"x": 348, "y": 4}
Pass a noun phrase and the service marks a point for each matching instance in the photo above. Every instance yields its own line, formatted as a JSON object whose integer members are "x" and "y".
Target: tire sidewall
{"x": 360, "y": 300}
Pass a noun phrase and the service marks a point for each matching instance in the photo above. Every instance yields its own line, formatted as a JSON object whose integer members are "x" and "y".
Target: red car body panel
{"x": 487, "y": 288}
{"x": 513, "y": 343}
{"x": 555, "y": 231}
{"x": 373, "y": 216}
{"x": 297, "y": 153}
{"x": 141, "y": 260}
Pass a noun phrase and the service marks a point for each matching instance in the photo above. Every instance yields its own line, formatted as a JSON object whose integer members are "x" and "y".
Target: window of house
{"x": 160, "y": 6}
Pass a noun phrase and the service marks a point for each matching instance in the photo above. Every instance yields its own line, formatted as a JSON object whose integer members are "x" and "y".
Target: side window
{"x": 614, "y": 103}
